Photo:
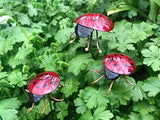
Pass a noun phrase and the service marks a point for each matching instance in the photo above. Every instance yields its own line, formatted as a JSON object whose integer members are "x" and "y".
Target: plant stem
{"x": 153, "y": 10}
{"x": 15, "y": 21}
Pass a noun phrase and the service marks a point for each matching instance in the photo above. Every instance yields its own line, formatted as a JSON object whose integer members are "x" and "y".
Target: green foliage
{"x": 79, "y": 63}
{"x": 39, "y": 41}
{"x": 99, "y": 114}
{"x": 8, "y": 108}
{"x": 152, "y": 57}
{"x": 151, "y": 85}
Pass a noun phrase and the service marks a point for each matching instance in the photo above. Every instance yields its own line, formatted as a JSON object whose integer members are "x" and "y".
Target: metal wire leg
{"x": 100, "y": 51}
{"x": 44, "y": 106}
{"x": 98, "y": 79}
{"x": 31, "y": 108}
{"x": 110, "y": 87}
{"x": 71, "y": 37}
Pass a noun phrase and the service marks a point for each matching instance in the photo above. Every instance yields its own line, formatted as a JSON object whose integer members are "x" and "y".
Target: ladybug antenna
{"x": 64, "y": 85}
{"x": 98, "y": 79}
{"x": 110, "y": 87}
{"x": 100, "y": 51}
{"x": 31, "y": 108}
{"x": 44, "y": 106}
{"x": 55, "y": 98}
{"x": 71, "y": 37}
{"x": 128, "y": 81}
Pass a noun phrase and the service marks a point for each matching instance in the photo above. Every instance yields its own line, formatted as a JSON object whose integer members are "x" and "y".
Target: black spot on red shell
{"x": 45, "y": 85}
{"x": 115, "y": 54}
{"x": 121, "y": 54}
{"x": 109, "y": 56}
{"x": 100, "y": 15}
{"x": 111, "y": 59}
{"x": 42, "y": 79}
{"x": 51, "y": 77}
{"x": 38, "y": 87}
{"x": 115, "y": 64}
{"x": 129, "y": 59}
{"x": 106, "y": 23}
{"x": 132, "y": 64}
{"x": 51, "y": 82}
{"x": 46, "y": 74}
{"x": 34, "y": 82}
{"x": 40, "y": 75}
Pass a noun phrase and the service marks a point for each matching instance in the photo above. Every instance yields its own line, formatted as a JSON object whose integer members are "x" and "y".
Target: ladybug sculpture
{"x": 89, "y": 22}
{"x": 116, "y": 64}
{"x": 42, "y": 84}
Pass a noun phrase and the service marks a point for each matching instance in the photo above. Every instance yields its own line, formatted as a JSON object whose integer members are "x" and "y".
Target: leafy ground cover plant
{"x": 40, "y": 42}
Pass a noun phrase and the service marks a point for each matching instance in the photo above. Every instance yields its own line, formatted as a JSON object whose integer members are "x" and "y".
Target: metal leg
{"x": 100, "y": 51}
{"x": 97, "y": 71}
{"x": 128, "y": 81}
{"x": 71, "y": 37}
{"x": 55, "y": 98}
{"x": 44, "y": 106}
{"x": 87, "y": 48}
{"x": 110, "y": 87}
{"x": 98, "y": 79}
{"x": 31, "y": 108}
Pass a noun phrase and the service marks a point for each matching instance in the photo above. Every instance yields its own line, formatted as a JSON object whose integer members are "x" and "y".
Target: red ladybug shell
{"x": 44, "y": 83}
{"x": 95, "y": 21}
{"x": 119, "y": 63}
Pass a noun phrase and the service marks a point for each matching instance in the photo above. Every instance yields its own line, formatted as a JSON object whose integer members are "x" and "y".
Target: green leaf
{"x": 157, "y": 2}
{"x": 23, "y": 51}
{"x": 17, "y": 78}
{"x": 134, "y": 116}
{"x": 72, "y": 87}
{"x": 93, "y": 97}
{"x": 137, "y": 92}
{"x": 81, "y": 107}
{"x": 152, "y": 57}
{"x": 31, "y": 10}
{"x": 62, "y": 35}
{"x": 144, "y": 108}
{"x": 99, "y": 114}
{"x": 64, "y": 22}
{"x": 48, "y": 63}
{"x": 102, "y": 114}
{"x": 15, "y": 35}
{"x": 121, "y": 93}
{"x": 126, "y": 34}
{"x": 62, "y": 109}
{"x": 8, "y": 108}
{"x": 124, "y": 8}
{"x": 24, "y": 19}
{"x": 152, "y": 86}
{"x": 15, "y": 62}
{"x": 4, "y": 84}
{"x": 79, "y": 63}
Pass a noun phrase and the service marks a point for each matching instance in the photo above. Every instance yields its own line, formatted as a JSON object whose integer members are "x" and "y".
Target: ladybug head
{"x": 34, "y": 98}
{"x": 111, "y": 75}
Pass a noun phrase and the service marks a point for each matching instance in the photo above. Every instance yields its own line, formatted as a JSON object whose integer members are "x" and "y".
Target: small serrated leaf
{"x": 72, "y": 87}
{"x": 152, "y": 86}
{"x": 8, "y": 108}
{"x": 79, "y": 63}
{"x": 81, "y": 107}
